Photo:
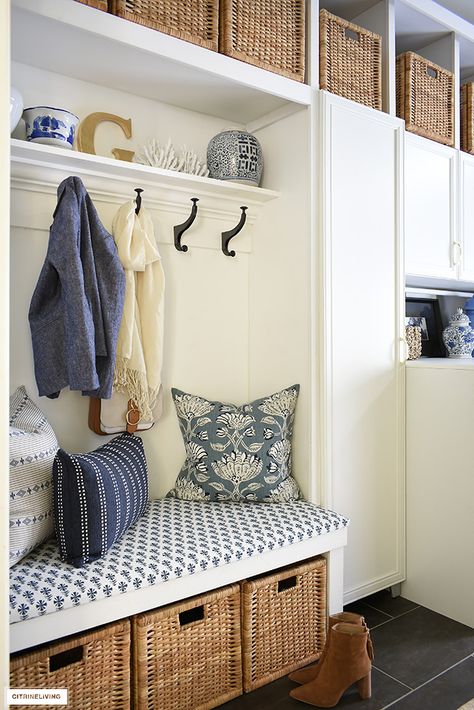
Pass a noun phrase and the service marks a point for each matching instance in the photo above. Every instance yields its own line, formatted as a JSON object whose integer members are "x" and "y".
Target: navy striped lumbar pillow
{"x": 97, "y": 496}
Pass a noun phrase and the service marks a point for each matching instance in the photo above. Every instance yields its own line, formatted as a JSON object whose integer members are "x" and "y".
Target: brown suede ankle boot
{"x": 304, "y": 675}
{"x": 348, "y": 660}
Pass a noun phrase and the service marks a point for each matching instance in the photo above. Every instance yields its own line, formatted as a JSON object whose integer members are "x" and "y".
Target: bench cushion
{"x": 173, "y": 538}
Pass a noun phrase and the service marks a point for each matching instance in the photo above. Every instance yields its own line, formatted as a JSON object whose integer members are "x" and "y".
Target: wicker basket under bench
{"x": 94, "y": 667}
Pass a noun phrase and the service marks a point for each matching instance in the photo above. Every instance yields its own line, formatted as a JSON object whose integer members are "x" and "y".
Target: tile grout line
{"x": 392, "y": 618}
{"x": 426, "y": 682}
{"x": 393, "y": 677}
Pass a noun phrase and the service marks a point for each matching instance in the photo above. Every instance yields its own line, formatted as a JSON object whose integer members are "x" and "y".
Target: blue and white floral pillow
{"x": 237, "y": 453}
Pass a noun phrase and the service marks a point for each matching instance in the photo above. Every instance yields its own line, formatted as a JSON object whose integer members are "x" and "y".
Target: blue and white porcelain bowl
{"x": 53, "y": 126}
{"x": 235, "y": 156}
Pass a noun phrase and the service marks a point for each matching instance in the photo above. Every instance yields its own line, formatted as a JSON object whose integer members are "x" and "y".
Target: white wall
{"x": 4, "y": 252}
{"x": 234, "y": 328}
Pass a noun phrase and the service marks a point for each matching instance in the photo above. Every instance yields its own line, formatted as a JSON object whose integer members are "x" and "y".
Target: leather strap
{"x": 133, "y": 417}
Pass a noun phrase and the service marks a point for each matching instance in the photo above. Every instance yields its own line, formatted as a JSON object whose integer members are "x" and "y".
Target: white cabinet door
{"x": 431, "y": 248}
{"x": 466, "y": 222}
{"x": 361, "y": 312}
{"x": 440, "y": 487}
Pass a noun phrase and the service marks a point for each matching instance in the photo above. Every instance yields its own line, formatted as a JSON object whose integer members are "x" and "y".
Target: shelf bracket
{"x": 227, "y": 236}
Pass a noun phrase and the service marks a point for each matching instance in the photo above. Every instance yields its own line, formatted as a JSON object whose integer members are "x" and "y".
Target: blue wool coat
{"x": 77, "y": 305}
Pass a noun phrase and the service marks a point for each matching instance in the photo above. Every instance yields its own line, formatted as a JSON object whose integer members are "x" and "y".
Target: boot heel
{"x": 364, "y": 687}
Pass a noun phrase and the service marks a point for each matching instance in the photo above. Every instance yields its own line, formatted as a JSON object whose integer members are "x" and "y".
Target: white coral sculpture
{"x": 192, "y": 163}
{"x": 158, "y": 156}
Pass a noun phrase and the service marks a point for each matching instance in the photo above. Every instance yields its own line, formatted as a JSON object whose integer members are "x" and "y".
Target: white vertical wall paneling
{"x": 365, "y": 410}
{"x": 4, "y": 320}
{"x": 279, "y": 268}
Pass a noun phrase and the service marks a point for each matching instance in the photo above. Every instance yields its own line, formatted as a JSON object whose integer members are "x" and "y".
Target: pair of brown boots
{"x": 346, "y": 659}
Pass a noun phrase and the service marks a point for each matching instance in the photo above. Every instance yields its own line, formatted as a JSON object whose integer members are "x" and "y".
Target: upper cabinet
{"x": 439, "y": 211}
{"x": 431, "y": 245}
{"x": 466, "y": 216}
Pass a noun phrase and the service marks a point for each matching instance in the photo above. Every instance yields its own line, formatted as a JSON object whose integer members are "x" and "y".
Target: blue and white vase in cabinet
{"x": 459, "y": 336}
{"x": 236, "y": 156}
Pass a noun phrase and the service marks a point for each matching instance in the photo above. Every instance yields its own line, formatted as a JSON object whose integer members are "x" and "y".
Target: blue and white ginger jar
{"x": 236, "y": 156}
{"x": 459, "y": 336}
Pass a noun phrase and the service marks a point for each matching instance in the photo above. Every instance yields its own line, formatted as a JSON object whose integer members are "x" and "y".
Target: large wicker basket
{"x": 425, "y": 98}
{"x": 195, "y": 21}
{"x": 350, "y": 60}
{"x": 283, "y": 621}
{"x": 98, "y": 4}
{"x": 187, "y": 656}
{"x": 267, "y": 33}
{"x": 467, "y": 118}
{"x": 94, "y": 667}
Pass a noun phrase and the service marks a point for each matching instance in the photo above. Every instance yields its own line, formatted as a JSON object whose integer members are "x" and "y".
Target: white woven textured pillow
{"x": 33, "y": 446}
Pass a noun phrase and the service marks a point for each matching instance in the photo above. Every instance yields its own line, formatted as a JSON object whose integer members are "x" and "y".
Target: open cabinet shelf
{"x": 144, "y": 62}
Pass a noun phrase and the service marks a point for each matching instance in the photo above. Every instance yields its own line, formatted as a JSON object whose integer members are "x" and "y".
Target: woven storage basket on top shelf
{"x": 350, "y": 60}
{"x": 267, "y": 33}
{"x": 283, "y": 621}
{"x": 98, "y": 4}
{"x": 187, "y": 656}
{"x": 425, "y": 98}
{"x": 195, "y": 21}
{"x": 467, "y": 118}
{"x": 94, "y": 667}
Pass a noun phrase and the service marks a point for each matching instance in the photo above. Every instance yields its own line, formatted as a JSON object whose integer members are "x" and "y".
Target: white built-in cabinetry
{"x": 431, "y": 245}
{"x": 439, "y": 211}
{"x": 315, "y": 294}
{"x": 362, "y": 377}
{"x": 440, "y": 487}
{"x": 466, "y": 216}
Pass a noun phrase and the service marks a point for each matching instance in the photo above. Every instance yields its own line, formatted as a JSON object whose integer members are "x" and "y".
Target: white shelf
{"x": 49, "y": 165}
{"x": 88, "y": 44}
{"x": 442, "y": 363}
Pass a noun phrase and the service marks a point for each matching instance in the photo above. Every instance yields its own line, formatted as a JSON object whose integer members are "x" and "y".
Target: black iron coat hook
{"x": 180, "y": 229}
{"x": 138, "y": 190}
{"x": 227, "y": 236}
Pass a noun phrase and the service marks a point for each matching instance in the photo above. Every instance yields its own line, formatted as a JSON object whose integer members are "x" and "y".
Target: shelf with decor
{"x": 142, "y": 61}
{"x": 33, "y": 160}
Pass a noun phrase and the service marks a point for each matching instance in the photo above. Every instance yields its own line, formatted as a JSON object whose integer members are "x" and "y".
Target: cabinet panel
{"x": 440, "y": 489}
{"x": 430, "y": 183}
{"x": 466, "y": 192}
{"x": 363, "y": 409}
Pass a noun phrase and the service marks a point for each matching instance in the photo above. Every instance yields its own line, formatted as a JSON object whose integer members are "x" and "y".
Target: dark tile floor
{"x": 423, "y": 661}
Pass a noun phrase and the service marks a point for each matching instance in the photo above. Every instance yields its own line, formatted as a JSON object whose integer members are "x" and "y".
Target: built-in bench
{"x": 177, "y": 549}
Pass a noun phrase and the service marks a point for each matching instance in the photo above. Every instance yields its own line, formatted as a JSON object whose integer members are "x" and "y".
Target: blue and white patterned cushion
{"x": 237, "y": 453}
{"x": 173, "y": 538}
{"x": 98, "y": 496}
{"x": 33, "y": 446}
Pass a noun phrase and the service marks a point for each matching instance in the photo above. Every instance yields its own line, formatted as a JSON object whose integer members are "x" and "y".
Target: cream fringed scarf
{"x": 140, "y": 340}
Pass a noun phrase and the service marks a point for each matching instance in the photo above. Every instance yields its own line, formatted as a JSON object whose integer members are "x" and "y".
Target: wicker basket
{"x": 425, "y": 98}
{"x": 350, "y": 60}
{"x": 187, "y": 656}
{"x": 283, "y": 621}
{"x": 98, "y": 4}
{"x": 195, "y": 21}
{"x": 94, "y": 667}
{"x": 267, "y": 33}
{"x": 467, "y": 118}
